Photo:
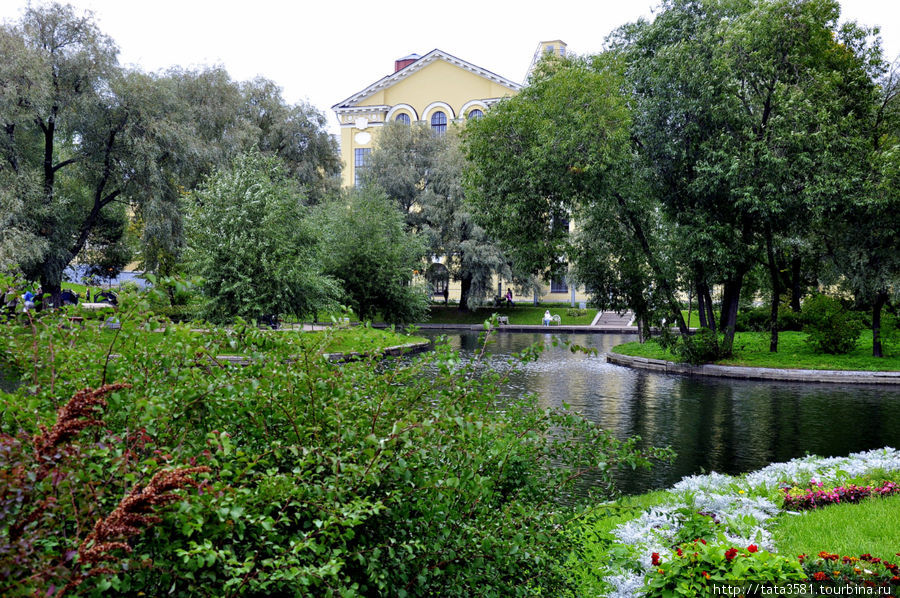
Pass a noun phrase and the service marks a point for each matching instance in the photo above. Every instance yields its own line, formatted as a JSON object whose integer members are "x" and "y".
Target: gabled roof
{"x": 418, "y": 65}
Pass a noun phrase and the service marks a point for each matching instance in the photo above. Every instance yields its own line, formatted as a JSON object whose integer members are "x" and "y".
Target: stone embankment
{"x": 753, "y": 373}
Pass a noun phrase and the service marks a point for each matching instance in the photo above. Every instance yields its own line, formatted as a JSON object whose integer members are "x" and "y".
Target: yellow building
{"x": 436, "y": 89}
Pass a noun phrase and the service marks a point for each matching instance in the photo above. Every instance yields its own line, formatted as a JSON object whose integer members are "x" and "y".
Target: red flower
{"x": 731, "y": 553}
{"x": 819, "y": 576}
{"x": 802, "y": 557}
{"x": 678, "y": 551}
{"x": 654, "y": 559}
{"x": 752, "y": 548}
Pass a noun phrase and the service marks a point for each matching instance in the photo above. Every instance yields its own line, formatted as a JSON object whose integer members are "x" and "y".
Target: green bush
{"x": 702, "y": 347}
{"x": 575, "y": 312}
{"x": 757, "y": 319}
{"x": 357, "y": 479}
{"x": 830, "y": 328}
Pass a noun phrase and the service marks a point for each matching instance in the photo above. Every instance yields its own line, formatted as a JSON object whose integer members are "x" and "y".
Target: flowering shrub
{"x": 697, "y": 565}
{"x": 802, "y": 499}
{"x": 865, "y": 571}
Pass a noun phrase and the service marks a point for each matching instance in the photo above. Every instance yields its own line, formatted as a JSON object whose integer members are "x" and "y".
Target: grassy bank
{"x": 752, "y": 349}
{"x": 519, "y": 314}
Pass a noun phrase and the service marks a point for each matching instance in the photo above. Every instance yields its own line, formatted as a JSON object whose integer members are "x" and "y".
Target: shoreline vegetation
{"x": 751, "y": 349}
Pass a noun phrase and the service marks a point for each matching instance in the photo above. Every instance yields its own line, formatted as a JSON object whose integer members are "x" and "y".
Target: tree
{"x": 422, "y": 173}
{"x": 367, "y": 247}
{"x": 63, "y": 120}
{"x": 250, "y": 238}
{"x": 83, "y": 138}
{"x": 859, "y": 221}
{"x": 732, "y": 104}
{"x": 208, "y": 119}
{"x": 562, "y": 149}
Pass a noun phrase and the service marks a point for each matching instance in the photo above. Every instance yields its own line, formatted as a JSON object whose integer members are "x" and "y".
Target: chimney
{"x": 405, "y": 61}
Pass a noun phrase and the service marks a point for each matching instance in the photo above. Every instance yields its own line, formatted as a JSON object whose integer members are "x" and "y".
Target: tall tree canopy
{"x": 83, "y": 139}
{"x": 562, "y": 149}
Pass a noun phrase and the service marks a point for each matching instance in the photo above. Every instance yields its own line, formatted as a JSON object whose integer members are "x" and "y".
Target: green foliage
{"x": 366, "y": 247}
{"x": 251, "y": 241}
{"x": 422, "y": 173}
{"x": 701, "y": 347}
{"x": 327, "y": 480}
{"x": 756, "y": 319}
{"x": 830, "y": 327}
{"x": 700, "y": 564}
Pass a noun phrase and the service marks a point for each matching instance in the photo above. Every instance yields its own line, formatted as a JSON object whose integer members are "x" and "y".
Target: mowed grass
{"x": 752, "y": 349}
{"x": 870, "y": 526}
{"x": 519, "y": 314}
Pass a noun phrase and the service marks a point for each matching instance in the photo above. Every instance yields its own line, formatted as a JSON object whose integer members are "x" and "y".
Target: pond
{"x": 728, "y": 426}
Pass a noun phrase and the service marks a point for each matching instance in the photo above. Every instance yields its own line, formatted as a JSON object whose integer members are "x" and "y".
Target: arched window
{"x": 476, "y": 113}
{"x": 438, "y": 123}
{"x": 402, "y": 118}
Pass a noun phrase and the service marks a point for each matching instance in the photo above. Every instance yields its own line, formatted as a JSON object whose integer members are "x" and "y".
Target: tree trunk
{"x": 796, "y": 290}
{"x": 701, "y": 306}
{"x": 690, "y": 304}
{"x": 731, "y": 297}
{"x": 775, "y": 278}
{"x": 465, "y": 287}
{"x": 707, "y": 312}
{"x": 878, "y": 304}
{"x": 663, "y": 282}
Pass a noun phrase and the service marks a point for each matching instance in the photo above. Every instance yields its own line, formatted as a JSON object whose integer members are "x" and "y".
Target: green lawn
{"x": 519, "y": 314}
{"x": 846, "y": 529}
{"x": 752, "y": 349}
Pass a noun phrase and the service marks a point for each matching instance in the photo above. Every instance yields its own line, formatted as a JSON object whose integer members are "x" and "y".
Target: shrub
{"x": 701, "y": 347}
{"x": 830, "y": 328}
{"x": 576, "y": 312}
{"x": 756, "y": 319}
{"x": 327, "y": 479}
{"x": 698, "y": 565}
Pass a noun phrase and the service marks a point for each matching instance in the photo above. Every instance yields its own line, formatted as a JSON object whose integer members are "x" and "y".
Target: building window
{"x": 559, "y": 285}
{"x": 439, "y": 123}
{"x": 402, "y": 118}
{"x": 476, "y": 113}
{"x": 360, "y": 157}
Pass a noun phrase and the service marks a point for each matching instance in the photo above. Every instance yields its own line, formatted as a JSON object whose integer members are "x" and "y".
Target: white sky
{"x": 323, "y": 52}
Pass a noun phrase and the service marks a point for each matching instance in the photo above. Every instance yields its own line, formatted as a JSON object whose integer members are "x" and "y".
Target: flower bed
{"x": 803, "y": 499}
{"x": 738, "y": 511}
{"x": 865, "y": 571}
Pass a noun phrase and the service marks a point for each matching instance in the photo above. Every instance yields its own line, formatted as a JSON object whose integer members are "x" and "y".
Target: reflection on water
{"x": 713, "y": 424}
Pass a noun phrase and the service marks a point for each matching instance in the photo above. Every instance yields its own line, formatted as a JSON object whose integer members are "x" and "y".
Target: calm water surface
{"x": 725, "y": 426}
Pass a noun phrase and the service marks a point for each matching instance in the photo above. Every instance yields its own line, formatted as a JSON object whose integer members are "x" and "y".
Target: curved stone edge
{"x": 752, "y": 373}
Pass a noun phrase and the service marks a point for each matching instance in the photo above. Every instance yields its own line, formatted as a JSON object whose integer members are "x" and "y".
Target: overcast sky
{"x": 323, "y": 52}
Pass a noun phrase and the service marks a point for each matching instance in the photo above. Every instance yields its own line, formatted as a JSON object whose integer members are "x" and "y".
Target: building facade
{"x": 437, "y": 89}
